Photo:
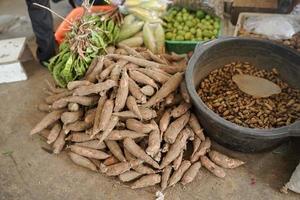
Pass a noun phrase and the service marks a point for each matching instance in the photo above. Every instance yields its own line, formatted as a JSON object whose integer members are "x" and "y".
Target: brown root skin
{"x": 106, "y": 114}
{"x": 195, "y": 125}
{"x": 224, "y": 161}
{"x": 95, "y": 88}
{"x": 135, "y": 91}
{"x": 177, "y": 161}
{"x": 115, "y": 149}
{"x": 155, "y": 75}
{"x": 122, "y": 134}
{"x": 54, "y": 133}
{"x": 154, "y": 140}
{"x": 110, "y": 126}
{"x": 71, "y": 117}
{"x": 111, "y": 161}
{"x": 148, "y": 90}
{"x": 165, "y": 121}
{"x": 88, "y": 152}
{"x": 181, "y": 109}
{"x": 78, "y": 137}
{"x": 146, "y": 181}
{"x": 203, "y": 149}
{"x": 212, "y": 167}
{"x": 132, "y": 106}
{"x": 167, "y": 88}
{"x": 138, "y": 126}
{"x": 52, "y": 98}
{"x": 47, "y": 120}
{"x": 75, "y": 84}
{"x": 82, "y": 161}
{"x": 99, "y": 109}
{"x": 191, "y": 173}
{"x": 142, "y": 78}
{"x": 184, "y": 93}
{"x": 93, "y": 144}
{"x": 175, "y": 127}
{"x": 177, "y": 175}
{"x": 138, "y": 152}
{"x": 165, "y": 177}
{"x": 44, "y": 107}
{"x": 59, "y": 143}
{"x": 129, "y": 176}
{"x": 122, "y": 93}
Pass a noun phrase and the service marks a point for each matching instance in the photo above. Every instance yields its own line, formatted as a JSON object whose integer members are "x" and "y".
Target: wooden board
{"x": 256, "y": 3}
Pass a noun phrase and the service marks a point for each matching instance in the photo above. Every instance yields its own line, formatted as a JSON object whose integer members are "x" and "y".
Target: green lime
{"x": 169, "y": 35}
{"x": 193, "y": 30}
{"x": 205, "y": 38}
{"x": 215, "y": 32}
{"x": 189, "y": 24}
{"x": 188, "y": 36}
{"x": 179, "y": 37}
{"x": 184, "y": 10}
{"x": 200, "y": 14}
{"x": 217, "y": 25}
{"x": 186, "y": 28}
{"x": 190, "y": 17}
{"x": 206, "y": 33}
{"x": 180, "y": 32}
{"x": 207, "y": 17}
{"x": 180, "y": 27}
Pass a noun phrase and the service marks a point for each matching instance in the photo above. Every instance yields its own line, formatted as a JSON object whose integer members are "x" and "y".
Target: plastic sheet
{"x": 274, "y": 27}
{"x": 212, "y": 7}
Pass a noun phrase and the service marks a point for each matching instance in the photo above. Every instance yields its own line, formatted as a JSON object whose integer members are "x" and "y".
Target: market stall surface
{"x": 28, "y": 171}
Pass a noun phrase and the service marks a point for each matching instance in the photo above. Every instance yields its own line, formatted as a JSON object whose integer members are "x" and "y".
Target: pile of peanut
{"x": 293, "y": 42}
{"x": 130, "y": 117}
{"x": 223, "y": 96}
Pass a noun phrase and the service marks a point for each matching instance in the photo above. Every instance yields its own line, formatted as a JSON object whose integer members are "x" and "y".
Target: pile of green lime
{"x": 183, "y": 25}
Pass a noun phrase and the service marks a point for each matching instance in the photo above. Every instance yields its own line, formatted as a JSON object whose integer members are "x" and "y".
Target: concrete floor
{"x": 29, "y": 172}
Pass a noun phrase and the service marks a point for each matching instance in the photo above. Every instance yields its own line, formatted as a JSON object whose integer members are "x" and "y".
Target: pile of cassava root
{"x": 130, "y": 117}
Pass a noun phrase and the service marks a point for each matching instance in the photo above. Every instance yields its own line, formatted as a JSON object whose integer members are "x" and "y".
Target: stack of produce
{"x": 135, "y": 32}
{"x": 89, "y": 36}
{"x": 130, "y": 117}
{"x": 293, "y": 42}
{"x": 184, "y": 25}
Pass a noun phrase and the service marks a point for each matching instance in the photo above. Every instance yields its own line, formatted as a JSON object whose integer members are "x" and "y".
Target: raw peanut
{"x": 133, "y": 107}
{"x": 175, "y": 127}
{"x": 142, "y": 78}
{"x": 88, "y": 152}
{"x": 45, "y": 107}
{"x": 75, "y": 84}
{"x": 164, "y": 121}
{"x": 203, "y": 149}
{"x": 177, "y": 175}
{"x": 167, "y": 88}
{"x": 191, "y": 173}
{"x": 82, "y": 161}
{"x": 137, "y": 61}
{"x": 165, "y": 177}
{"x": 122, "y": 134}
{"x": 155, "y": 75}
{"x": 212, "y": 167}
{"x": 90, "y": 116}
{"x": 195, "y": 125}
{"x": 95, "y": 88}
{"x": 196, "y": 145}
{"x": 78, "y": 137}
{"x": 184, "y": 93}
{"x": 106, "y": 114}
{"x": 110, "y": 126}
{"x": 154, "y": 140}
{"x": 115, "y": 149}
{"x": 93, "y": 144}
{"x": 138, "y": 152}
{"x": 97, "y": 69}
{"x": 135, "y": 91}
{"x": 175, "y": 148}
{"x": 99, "y": 109}
{"x": 59, "y": 143}
{"x": 111, "y": 161}
{"x": 146, "y": 181}
{"x": 122, "y": 92}
{"x": 85, "y": 101}
{"x": 54, "y": 133}
{"x": 129, "y": 176}
{"x": 71, "y": 117}
{"x": 148, "y": 90}
{"x": 77, "y": 126}
{"x": 47, "y": 120}
{"x": 130, "y": 51}
{"x": 119, "y": 168}
{"x": 52, "y": 98}
{"x": 73, "y": 107}
{"x": 224, "y": 161}
{"x": 180, "y": 110}
{"x": 135, "y": 125}
{"x": 177, "y": 161}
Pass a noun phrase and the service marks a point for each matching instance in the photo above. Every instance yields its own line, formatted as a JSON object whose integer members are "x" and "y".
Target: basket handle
{"x": 294, "y": 131}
